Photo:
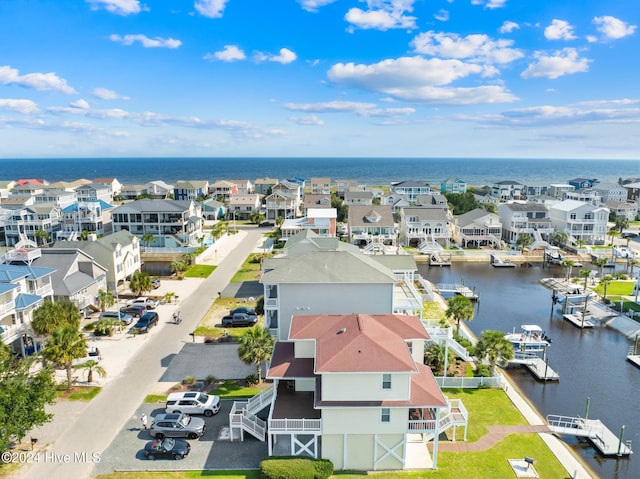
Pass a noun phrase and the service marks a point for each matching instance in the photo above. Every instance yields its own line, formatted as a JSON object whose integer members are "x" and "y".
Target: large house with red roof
{"x": 352, "y": 388}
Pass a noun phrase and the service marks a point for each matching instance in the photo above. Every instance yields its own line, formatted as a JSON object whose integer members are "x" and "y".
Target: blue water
{"x": 369, "y": 171}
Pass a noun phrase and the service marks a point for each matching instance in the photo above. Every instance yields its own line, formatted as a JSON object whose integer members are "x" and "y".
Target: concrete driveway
{"x": 214, "y": 450}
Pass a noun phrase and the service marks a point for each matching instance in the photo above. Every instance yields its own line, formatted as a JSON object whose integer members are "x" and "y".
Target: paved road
{"x": 83, "y": 442}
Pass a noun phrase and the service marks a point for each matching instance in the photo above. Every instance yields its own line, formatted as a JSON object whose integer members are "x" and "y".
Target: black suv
{"x": 146, "y": 322}
{"x": 135, "y": 311}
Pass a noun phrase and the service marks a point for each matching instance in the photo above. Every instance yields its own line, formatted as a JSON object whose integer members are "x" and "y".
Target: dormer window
{"x": 372, "y": 217}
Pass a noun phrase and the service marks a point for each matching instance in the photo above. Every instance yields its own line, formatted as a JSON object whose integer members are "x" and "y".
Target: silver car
{"x": 177, "y": 425}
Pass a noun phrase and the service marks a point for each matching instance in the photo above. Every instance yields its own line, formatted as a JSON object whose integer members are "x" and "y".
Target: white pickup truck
{"x": 148, "y": 303}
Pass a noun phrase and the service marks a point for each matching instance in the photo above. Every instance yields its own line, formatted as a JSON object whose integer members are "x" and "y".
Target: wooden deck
{"x": 603, "y": 439}
{"x": 579, "y": 321}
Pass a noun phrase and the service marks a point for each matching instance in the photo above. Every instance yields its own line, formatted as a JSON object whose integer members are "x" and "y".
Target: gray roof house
{"x": 77, "y": 277}
{"x": 477, "y": 228}
{"x": 371, "y": 227}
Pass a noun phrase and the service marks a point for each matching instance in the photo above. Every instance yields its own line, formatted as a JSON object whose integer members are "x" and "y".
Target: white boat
{"x": 531, "y": 339}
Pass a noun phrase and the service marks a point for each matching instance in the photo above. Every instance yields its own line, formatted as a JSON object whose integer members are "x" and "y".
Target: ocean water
{"x": 368, "y": 171}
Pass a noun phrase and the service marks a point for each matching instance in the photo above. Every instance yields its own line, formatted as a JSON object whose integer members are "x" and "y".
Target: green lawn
{"x": 231, "y": 390}
{"x": 155, "y": 398}
{"x": 433, "y": 310}
{"x": 183, "y": 475}
{"x": 78, "y": 393}
{"x": 200, "y": 271}
{"x": 616, "y": 288}
{"x": 250, "y": 269}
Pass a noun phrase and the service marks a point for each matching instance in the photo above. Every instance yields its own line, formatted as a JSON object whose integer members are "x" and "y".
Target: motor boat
{"x": 531, "y": 338}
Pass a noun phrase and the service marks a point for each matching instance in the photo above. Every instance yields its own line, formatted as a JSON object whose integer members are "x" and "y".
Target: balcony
{"x": 7, "y": 308}
{"x": 293, "y": 411}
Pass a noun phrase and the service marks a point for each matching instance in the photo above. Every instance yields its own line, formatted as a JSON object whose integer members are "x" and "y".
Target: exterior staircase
{"x": 243, "y": 418}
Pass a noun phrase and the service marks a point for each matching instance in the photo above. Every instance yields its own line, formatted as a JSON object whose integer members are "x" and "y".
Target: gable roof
{"x": 321, "y": 267}
{"x": 475, "y": 215}
{"x": 358, "y": 215}
{"x": 360, "y": 342}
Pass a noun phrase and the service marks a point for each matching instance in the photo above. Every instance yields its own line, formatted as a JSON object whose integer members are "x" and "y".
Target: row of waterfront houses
{"x": 409, "y": 213}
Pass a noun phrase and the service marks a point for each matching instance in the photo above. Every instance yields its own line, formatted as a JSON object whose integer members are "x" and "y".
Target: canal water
{"x": 591, "y": 362}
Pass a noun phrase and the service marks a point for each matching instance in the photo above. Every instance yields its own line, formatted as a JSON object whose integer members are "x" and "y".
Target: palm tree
{"x": 189, "y": 257}
{"x": 523, "y": 241}
{"x": 106, "y": 299}
{"x": 256, "y": 346}
{"x": 600, "y": 262}
{"x": 66, "y": 344}
{"x": 580, "y": 243}
{"x": 621, "y": 223}
{"x": 177, "y": 266}
{"x": 494, "y": 347}
{"x": 613, "y": 233}
{"x": 559, "y": 238}
{"x": 585, "y": 273}
{"x": 568, "y": 264}
{"x": 52, "y": 316}
{"x": 632, "y": 263}
{"x": 90, "y": 367}
{"x": 43, "y": 236}
{"x": 148, "y": 238}
{"x": 605, "y": 281}
{"x": 434, "y": 357}
{"x": 140, "y": 282}
{"x": 459, "y": 308}
{"x": 257, "y": 217}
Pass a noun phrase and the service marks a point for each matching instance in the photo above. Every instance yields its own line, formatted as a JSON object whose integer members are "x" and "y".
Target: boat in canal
{"x": 531, "y": 338}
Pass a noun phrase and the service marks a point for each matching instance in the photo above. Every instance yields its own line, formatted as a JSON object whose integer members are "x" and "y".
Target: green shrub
{"x": 189, "y": 380}
{"x": 89, "y": 327}
{"x": 252, "y": 379}
{"x": 104, "y": 327}
{"x": 482, "y": 371}
{"x": 295, "y": 468}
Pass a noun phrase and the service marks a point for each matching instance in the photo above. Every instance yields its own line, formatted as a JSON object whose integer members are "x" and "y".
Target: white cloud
{"x": 545, "y": 115}
{"x": 331, "y": 107}
{"x": 145, "y": 41}
{"x": 82, "y": 104}
{"x": 21, "y": 106}
{"x": 285, "y": 56}
{"x": 229, "y": 54}
{"x": 105, "y": 94}
{"x": 310, "y": 120}
{"x": 613, "y": 28}
{"x": 562, "y": 62}
{"x": 382, "y": 15}
{"x": 491, "y": 4}
{"x": 442, "y": 15}
{"x": 313, "y": 5}
{"x": 37, "y": 81}
{"x": 476, "y": 47}
{"x": 119, "y": 7}
{"x": 559, "y": 30}
{"x": 508, "y": 27}
{"x": 210, "y": 8}
{"x": 418, "y": 79}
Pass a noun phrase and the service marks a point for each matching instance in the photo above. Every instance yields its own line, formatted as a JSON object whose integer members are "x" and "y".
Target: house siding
{"x": 364, "y": 387}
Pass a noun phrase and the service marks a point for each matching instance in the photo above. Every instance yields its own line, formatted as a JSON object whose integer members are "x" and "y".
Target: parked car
{"x": 167, "y": 447}
{"x": 242, "y": 309}
{"x": 239, "y": 319}
{"x": 155, "y": 282}
{"x": 93, "y": 354}
{"x": 119, "y": 315}
{"x": 177, "y": 425}
{"x": 192, "y": 403}
{"x": 147, "y": 321}
{"x": 266, "y": 224}
{"x": 148, "y": 303}
{"x": 135, "y": 311}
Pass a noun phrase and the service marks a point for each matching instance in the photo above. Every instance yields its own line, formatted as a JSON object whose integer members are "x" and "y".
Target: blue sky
{"x": 307, "y": 78}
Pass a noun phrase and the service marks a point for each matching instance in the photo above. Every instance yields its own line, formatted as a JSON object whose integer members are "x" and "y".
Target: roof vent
{"x": 342, "y": 331}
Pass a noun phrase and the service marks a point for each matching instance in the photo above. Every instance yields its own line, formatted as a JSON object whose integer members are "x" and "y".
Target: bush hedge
{"x": 295, "y": 468}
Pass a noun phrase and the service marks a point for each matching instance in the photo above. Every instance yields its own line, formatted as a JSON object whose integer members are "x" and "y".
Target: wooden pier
{"x": 436, "y": 260}
{"x": 538, "y": 366}
{"x": 598, "y": 434}
{"x": 458, "y": 289}
{"x": 579, "y": 320}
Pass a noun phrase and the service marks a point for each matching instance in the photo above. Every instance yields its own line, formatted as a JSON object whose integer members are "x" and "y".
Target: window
{"x": 386, "y": 381}
{"x": 385, "y": 414}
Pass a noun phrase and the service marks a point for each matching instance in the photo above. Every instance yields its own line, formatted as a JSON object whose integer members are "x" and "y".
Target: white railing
{"x": 469, "y": 383}
{"x": 8, "y": 306}
{"x": 271, "y": 303}
{"x": 575, "y": 426}
{"x": 421, "y": 425}
{"x": 258, "y": 402}
{"x": 45, "y": 290}
{"x": 295, "y": 425}
{"x": 254, "y": 425}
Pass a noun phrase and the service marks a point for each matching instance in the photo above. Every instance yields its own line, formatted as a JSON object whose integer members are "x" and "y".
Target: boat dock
{"x": 538, "y": 366}
{"x": 437, "y": 260}
{"x": 598, "y": 434}
{"x": 579, "y": 320}
{"x": 458, "y": 289}
{"x": 634, "y": 359}
{"x": 498, "y": 262}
